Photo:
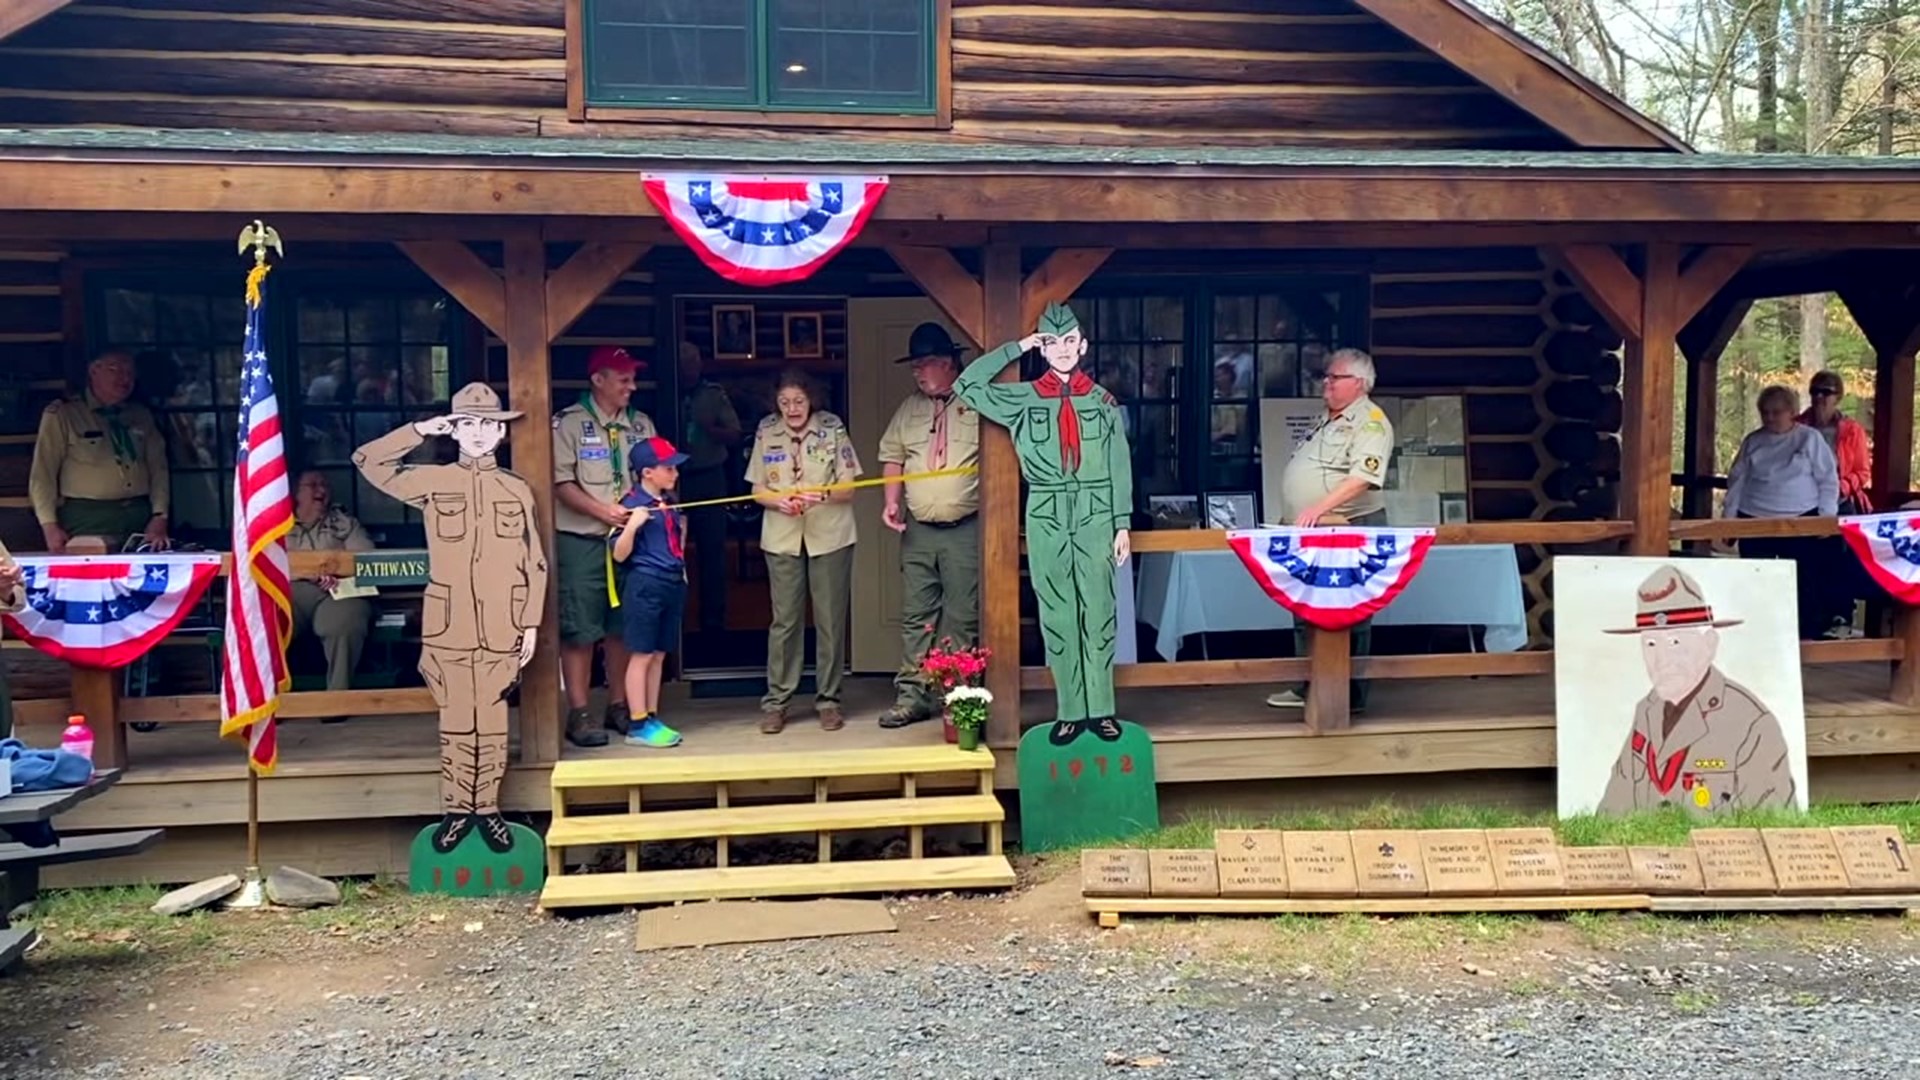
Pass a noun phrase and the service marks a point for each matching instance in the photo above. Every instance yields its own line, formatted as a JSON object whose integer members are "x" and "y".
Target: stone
{"x": 291, "y": 887}
{"x": 1526, "y": 861}
{"x": 1805, "y": 860}
{"x": 1666, "y": 871}
{"x": 1733, "y": 861}
{"x": 1593, "y": 871}
{"x": 198, "y": 895}
{"x": 1183, "y": 872}
{"x": 1252, "y": 862}
{"x": 1876, "y": 858}
{"x": 1458, "y": 862}
{"x": 1319, "y": 864}
{"x": 1388, "y": 862}
{"x": 1113, "y": 872}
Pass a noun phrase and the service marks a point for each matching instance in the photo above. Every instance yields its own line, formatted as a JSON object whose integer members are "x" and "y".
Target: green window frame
{"x": 816, "y": 56}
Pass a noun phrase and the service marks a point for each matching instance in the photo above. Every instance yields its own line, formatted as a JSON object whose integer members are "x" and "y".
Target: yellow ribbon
{"x": 613, "y": 590}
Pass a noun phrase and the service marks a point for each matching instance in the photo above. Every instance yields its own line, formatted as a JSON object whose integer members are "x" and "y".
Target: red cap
{"x": 611, "y": 358}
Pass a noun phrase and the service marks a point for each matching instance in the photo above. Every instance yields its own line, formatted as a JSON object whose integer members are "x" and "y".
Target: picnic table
{"x": 20, "y": 864}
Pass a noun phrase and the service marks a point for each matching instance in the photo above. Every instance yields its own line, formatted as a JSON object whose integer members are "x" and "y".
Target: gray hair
{"x": 1777, "y": 392}
{"x": 1358, "y": 363}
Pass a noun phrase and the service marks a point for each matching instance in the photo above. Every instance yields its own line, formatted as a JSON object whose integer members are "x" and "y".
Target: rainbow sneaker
{"x": 652, "y": 733}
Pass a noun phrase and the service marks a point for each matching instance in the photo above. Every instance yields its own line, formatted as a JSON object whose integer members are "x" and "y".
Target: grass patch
{"x": 1693, "y": 1001}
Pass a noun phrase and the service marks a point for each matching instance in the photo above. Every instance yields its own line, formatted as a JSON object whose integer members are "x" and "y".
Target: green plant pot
{"x": 969, "y": 738}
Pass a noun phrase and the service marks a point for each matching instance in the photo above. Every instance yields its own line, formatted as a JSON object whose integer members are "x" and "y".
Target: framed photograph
{"x": 1232, "y": 510}
{"x": 1453, "y": 509}
{"x": 1174, "y": 511}
{"x": 733, "y": 331}
{"x": 803, "y": 336}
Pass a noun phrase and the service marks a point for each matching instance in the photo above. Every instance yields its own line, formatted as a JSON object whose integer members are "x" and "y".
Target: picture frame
{"x": 733, "y": 331}
{"x": 1453, "y": 509}
{"x": 1232, "y": 510}
{"x": 1174, "y": 511}
{"x": 804, "y": 336}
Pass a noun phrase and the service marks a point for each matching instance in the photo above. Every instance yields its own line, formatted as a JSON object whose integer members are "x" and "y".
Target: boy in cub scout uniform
{"x": 1700, "y": 741}
{"x": 591, "y": 440}
{"x": 99, "y": 464}
{"x": 940, "y": 526}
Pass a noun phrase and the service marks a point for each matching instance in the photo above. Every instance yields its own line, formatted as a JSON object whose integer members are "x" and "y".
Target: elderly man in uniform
{"x": 99, "y": 464}
{"x": 341, "y": 625}
{"x": 1335, "y": 477}
{"x": 940, "y": 525}
{"x": 482, "y": 605}
{"x": 591, "y": 438}
{"x": 712, "y": 429}
{"x": 1700, "y": 741}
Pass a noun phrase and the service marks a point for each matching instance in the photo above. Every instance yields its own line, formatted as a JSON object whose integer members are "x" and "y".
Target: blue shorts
{"x": 653, "y": 607}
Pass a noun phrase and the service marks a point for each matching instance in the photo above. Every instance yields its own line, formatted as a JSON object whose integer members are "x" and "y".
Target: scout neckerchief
{"x": 1051, "y": 385}
{"x": 125, "y": 450}
{"x": 622, "y": 421}
{"x": 937, "y": 453}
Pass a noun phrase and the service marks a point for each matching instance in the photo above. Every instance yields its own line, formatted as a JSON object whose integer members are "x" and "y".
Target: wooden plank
{"x": 1492, "y": 532}
{"x": 1693, "y": 905}
{"x": 470, "y": 281}
{"x": 1750, "y": 528}
{"x": 1604, "y": 279}
{"x": 20, "y": 14}
{"x": 1381, "y": 112}
{"x": 735, "y": 768}
{"x": 997, "y": 62}
{"x": 776, "y": 819}
{"x": 576, "y": 58}
{"x": 1906, "y": 667}
{"x": 1056, "y": 280}
{"x": 580, "y": 282}
{"x": 947, "y": 284}
{"x": 53, "y": 108}
{"x": 1000, "y": 542}
{"x": 1118, "y": 29}
{"x": 72, "y": 849}
{"x": 809, "y": 879}
{"x": 296, "y": 40}
{"x": 205, "y": 708}
{"x": 1647, "y": 440}
{"x": 1406, "y": 905}
{"x": 1705, "y": 276}
{"x": 1329, "y": 693}
{"x": 405, "y": 78}
{"x": 1852, "y": 651}
{"x": 1430, "y": 666}
{"x": 526, "y": 330}
{"x": 478, "y": 13}
{"x": 25, "y": 807}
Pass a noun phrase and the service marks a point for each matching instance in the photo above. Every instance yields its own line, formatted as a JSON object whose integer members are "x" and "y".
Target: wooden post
{"x": 1889, "y": 315}
{"x": 1329, "y": 680}
{"x": 1906, "y": 670}
{"x": 1647, "y": 450}
{"x": 96, "y": 696}
{"x": 1000, "y": 507}
{"x": 1702, "y": 341}
{"x": 530, "y": 390}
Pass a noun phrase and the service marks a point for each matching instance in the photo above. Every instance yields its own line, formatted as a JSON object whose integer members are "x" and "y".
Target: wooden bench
{"x": 20, "y": 865}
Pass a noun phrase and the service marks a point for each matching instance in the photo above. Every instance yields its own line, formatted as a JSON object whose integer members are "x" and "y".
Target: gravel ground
{"x": 957, "y": 994}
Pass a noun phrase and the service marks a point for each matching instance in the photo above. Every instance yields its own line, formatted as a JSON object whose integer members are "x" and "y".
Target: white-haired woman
{"x": 1784, "y": 470}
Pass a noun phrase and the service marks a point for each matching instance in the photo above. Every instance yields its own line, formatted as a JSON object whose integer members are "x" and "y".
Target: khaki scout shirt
{"x": 1355, "y": 442}
{"x": 16, "y": 599}
{"x": 707, "y": 407}
{"x": 73, "y": 458}
{"x": 336, "y": 530}
{"x": 591, "y": 450}
{"x": 780, "y": 460}
{"x": 908, "y": 443}
{"x": 1722, "y": 751}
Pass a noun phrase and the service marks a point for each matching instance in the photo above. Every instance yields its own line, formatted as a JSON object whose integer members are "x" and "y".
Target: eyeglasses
{"x": 1337, "y": 378}
{"x": 1825, "y": 391}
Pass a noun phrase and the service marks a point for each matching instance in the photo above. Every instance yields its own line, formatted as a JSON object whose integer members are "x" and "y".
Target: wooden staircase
{"x": 958, "y": 790}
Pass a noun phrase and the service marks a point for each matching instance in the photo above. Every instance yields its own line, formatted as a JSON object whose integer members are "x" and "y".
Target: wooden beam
{"x": 470, "y": 281}
{"x": 1906, "y": 670}
{"x": 1329, "y": 685}
{"x": 1647, "y": 443}
{"x": 96, "y": 696}
{"x": 1604, "y": 279}
{"x": 1702, "y": 341}
{"x": 1056, "y": 280}
{"x": 947, "y": 284}
{"x": 1706, "y": 275}
{"x": 1888, "y": 313}
{"x": 584, "y": 278}
{"x": 530, "y": 390}
{"x": 1000, "y": 288}
{"x": 17, "y": 15}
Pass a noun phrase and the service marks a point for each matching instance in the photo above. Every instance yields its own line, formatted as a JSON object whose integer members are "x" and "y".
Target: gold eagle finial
{"x": 261, "y": 238}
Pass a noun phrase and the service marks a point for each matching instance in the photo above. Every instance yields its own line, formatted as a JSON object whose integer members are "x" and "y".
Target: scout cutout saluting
{"x": 482, "y": 606}
{"x": 1699, "y": 740}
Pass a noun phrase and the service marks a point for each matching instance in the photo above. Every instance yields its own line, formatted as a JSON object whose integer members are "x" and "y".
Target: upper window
{"x": 777, "y": 55}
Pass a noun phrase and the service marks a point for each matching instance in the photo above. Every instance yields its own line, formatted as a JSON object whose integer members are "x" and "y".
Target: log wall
{"x": 1111, "y": 72}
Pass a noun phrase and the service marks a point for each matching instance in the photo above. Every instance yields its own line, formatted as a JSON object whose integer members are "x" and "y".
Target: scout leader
{"x": 482, "y": 605}
{"x": 99, "y": 464}
{"x": 1699, "y": 740}
{"x": 1073, "y": 454}
{"x": 591, "y": 441}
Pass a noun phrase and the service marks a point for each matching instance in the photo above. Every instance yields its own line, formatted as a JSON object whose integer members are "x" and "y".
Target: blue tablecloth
{"x": 1193, "y": 592}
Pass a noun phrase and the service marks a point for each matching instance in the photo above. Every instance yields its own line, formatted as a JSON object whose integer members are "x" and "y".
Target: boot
{"x": 619, "y": 718}
{"x": 583, "y": 731}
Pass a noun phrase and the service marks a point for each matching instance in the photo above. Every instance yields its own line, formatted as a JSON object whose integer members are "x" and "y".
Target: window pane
{"x": 376, "y": 319}
{"x": 192, "y": 439}
{"x": 848, "y": 53}
{"x": 1279, "y": 370}
{"x": 424, "y": 375}
{"x": 1232, "y": 372}
{"x": 326, "y": 439}
{"x": 1155, "y": 437}
{"x": 321, "y": 320}
{"x": 423, "y": 318}
{"x": 1166, "y": 318}
{"x": 1232, "y": 430}
{"x": 670, "y": 52}
{"x": 374, "y": 371}
{"x": 181, "y": 317}
{"x": 1160, "y": 378}
{"x": 1234, "y": 318}
{"x": 129, "y": 316}
{"x": 325, "y": 372}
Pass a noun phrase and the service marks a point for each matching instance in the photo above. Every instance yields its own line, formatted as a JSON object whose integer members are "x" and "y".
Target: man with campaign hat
{"x": 1700, "y": 741}
{"x": 591, "y": 440}
{"x": 939, "y": 526}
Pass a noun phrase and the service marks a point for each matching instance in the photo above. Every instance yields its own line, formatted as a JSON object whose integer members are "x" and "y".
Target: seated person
{"x": 341, "y": 625}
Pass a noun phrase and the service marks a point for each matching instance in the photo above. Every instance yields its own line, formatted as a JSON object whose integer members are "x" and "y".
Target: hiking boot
{"x": 582, "y": 731}
{"x": 905, "y": 714}
{"x": 495, "y": 831}
{"x": 831, "y": 718}
{"x": 453, "y": 829}
{"x": 773, "y": 721}
{"x": 619, "y": 718}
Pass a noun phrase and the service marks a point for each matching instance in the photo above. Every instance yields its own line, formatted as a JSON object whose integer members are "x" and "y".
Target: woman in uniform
{"x": 807, "y": 537}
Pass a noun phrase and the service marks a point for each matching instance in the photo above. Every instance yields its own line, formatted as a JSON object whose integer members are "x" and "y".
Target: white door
{"x": 877, "y": 333}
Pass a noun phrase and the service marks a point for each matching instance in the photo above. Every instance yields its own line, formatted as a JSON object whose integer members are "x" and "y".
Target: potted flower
{"x": 949, "y": 669}
{"x": 967, "y": 713}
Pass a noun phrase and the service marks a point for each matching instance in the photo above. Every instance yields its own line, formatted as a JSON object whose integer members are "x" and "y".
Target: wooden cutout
{"x": 1705, "y": 276}
{"x": 1597, "y": 870}
{"x": 1526, "y": 861}
{"x": 1089, "y": 791}
{"x": 1666, "y": 870}
{"x": 1459, "y": 862}
{"x": 1605, "y": 280}
{"x": 1252, "y": 863}
{"x": 1876, "y": 858}
{"x": 584, "y": 278}
{"x": 947, "y": 284}
{"x": 1805, "y": 860}
{"x": 20, "y": 14}
{"x": 1183, "y": 872}
{"x": 1733, "y": 861}
{"x": 1319, "y": 864}
{"x": 467, "y": 278}
{"x": 1056, "y": 280}
{"x": 1114, "y": 872}
{"x": 1389, "y": 862}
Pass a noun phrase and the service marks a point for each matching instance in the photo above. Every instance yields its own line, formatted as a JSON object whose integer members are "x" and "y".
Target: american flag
{"x": 259, "y": 611}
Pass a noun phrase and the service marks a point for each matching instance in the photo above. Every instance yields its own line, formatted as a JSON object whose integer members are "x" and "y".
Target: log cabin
{"x": 1225, "y": 189}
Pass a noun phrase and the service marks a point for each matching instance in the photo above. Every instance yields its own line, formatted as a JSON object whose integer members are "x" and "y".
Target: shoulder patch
{"x": 1375, "y": 413}
{"x": 767, "y": 422}
{"x": 829, "y": 422}
{"x": 556, "y": 421}
{"x": 1374, "y": 427}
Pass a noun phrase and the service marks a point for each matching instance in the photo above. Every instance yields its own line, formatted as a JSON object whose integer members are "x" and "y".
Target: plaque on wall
{"x": 1876, "y": 858}
{"x": 1252, "y": 862}
{"x": 1319, "y": 864}
{"x": 1526, "y": 861}
{"x": 1733, "y": 861}
{"x": 1183, "y": 872}
{"x": 1114, "y": 873}
{"x": 1805, "y": 860}
{"x": 1388, "y": 862}
{"x": 1458, "y": 861}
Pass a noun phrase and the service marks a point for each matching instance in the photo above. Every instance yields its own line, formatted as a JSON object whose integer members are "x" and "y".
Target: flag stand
{"x": 253, "y": 891}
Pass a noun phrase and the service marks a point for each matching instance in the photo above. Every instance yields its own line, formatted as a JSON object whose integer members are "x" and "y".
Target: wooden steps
{"x": 908, "y": 810}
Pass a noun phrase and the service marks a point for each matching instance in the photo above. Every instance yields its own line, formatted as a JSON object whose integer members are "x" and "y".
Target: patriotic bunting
{"x": 765, "y": 230}
{"x": 106, "y": 612}
{"x": 1332, "y": 578}
{"x": 1889, "y": 547}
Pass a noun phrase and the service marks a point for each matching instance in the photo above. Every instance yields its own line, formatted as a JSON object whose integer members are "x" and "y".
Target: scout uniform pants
{"x": 587, "y": 613}
{"x": 470, "y": 687}
{"x": 341, "y": 626}
{"x": 1361, "y": 634}
{"x": 829, "y": 579}
{"x": 940, "y": 573}
{"x": 1070, "y": 561}
{"x": 707, "y": 528}
{"x": 113, "y": 520}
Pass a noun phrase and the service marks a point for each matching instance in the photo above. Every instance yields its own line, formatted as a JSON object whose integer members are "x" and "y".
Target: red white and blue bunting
{"x": 1332, "y": 578}
{"x": 106, "y": 612}
{"x": 1889, "y": 547}
{"x": 765, "y": 230}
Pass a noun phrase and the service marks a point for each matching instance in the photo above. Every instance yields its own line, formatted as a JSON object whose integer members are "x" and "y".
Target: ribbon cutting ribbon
{"x": 613, "y": 589}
